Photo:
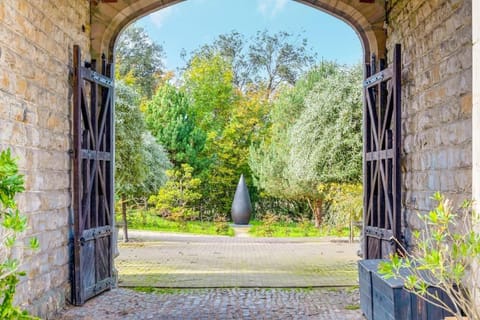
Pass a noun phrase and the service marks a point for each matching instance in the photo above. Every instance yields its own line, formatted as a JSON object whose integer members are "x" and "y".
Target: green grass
{"x": 352, "y": 307}
{"x": 148, "y": 220}
{"x": 141, "y": 220}
{"x": 281, "y": 229}
{"x": 167, "y": 290}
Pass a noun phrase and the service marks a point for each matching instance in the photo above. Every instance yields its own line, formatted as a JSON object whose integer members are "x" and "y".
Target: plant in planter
{"x": 12, "y": 224}
{"x": 446, "y": 257}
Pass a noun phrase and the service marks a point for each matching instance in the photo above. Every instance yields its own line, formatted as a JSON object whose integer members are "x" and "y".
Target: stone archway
{"x": 109, "y": 18}
{"x": 440, "y": 104}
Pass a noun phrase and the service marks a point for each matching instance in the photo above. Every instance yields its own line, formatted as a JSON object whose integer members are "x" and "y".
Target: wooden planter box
{"x": 365, "y": 270}
{"x": 386, "y": 299}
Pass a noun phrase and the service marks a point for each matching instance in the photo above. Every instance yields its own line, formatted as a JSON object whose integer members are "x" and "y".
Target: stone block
{"x": 460, "y": 157}
{"x": 447, "y": 180}
{"x": 463, "y": 181}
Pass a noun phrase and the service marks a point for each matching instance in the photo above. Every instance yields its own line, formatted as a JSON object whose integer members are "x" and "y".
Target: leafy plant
{"x": 446, "y": 258}
{"x": 221, "y": 224}
{"x": 268, "y": 226}
{"x": 305, "y": 225}
{"x": 176, "y": 199}
{"x": 140, "y": 219}
{"x": 12, "y": 225}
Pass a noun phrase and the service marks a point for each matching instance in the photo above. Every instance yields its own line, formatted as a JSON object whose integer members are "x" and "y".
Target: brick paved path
{"x": 242, "y": 273}
{"x": 222, "y": 304}
{"x": 166, "y": 260}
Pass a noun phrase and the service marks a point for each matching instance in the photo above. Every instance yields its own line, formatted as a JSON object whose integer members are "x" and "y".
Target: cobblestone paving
{"x": 247, "y": 278}
{"x": 165, "y": 260}
{"x": 319, "y": 304}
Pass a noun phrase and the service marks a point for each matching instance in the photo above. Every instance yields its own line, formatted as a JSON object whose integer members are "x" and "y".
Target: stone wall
{"x": 36, "y": 44}
{"x": 436, "y": 39}
{"x": 476, "y": 101}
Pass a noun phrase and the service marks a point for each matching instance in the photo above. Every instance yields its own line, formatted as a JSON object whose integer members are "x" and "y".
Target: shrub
{"x": 221, "y": 224}
{"x": 447, "y": 256}
{"x": 268, "y": 224}
{"x": 12, "y": 225}
{"x": 306, "y": 226}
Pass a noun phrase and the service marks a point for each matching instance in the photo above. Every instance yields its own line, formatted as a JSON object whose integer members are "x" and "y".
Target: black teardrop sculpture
{"x": 241, "y": 206}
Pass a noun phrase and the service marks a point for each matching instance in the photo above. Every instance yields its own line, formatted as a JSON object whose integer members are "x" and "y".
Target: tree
{"x": 155, "y": 160}
{"x": 269, "y": 158}
{"x": 209, "y": 83}
{"x": 138, "y": 55}
{"x": 130, "y": 170}
{"x": 232, "y": 120}
{"x": 279, "y": 58}
{"x": 326, "y": 140}
{"x": 177, "y": 199}
{"x": 230, "y": 150}
{"x": 315, "y": 137}
{"x": 169, "y": 117}
{"x": 231, "y": 47}
{"x": 264, "y": 60}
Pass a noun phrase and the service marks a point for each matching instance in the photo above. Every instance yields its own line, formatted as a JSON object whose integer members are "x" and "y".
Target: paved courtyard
{"x": 185, "y": 261}
{"x": 221, "y": 304}
{"x": 206, "y": 277}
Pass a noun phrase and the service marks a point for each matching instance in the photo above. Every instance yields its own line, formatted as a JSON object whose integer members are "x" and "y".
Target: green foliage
{"x": 129, "y": 128}
{"x": 279, "y": 58}
{"x": 292, "y": 229}
{"x": 270, "y": 158}
{"x": 140, "y": 162}
{"x": 326, "y": 141}
{"x": 221, "y": 225}
{"x": 263, "y": 61}
{"x": 155, "y": 161}
{"x": 172, "y": 122}
{"x": 231, "y": 47}
{"x": 177, "y": 198}
{"x": 149, "y": 220}
{"x": 284, "y": 208}
{"x": 12, "y": 225}
{"x": 314, "y": 137}
{"x": 345, "y": 204}
{"x": 141, "y": 58}
{"x": 209, "y": 83}
{"x": 232, "y": 121}
{"x": 446, "y": 257}
{"x": 267, "y": 227}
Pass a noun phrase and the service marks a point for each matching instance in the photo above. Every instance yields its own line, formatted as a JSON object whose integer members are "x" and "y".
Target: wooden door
{"x": 93, "y": 192}
{"x": 382, "y": 175}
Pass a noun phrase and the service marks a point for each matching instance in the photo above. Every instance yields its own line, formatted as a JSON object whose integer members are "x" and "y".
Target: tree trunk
{"x": 124, "y": 219}
{"x": 317, "y": 210}
{"x": 144, "y": 212}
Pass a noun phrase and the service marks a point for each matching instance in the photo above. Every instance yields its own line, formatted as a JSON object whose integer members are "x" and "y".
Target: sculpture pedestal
{"x": 241, "y": 230}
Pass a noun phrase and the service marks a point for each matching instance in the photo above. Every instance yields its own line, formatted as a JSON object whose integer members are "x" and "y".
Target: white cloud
{"x": 270, "y": 8}
{"x": 159, "y": 17}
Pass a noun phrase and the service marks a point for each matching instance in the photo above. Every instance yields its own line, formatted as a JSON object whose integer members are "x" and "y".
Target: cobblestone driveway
{"x": 221, "y": 304}
{"x": 242, "y": 278}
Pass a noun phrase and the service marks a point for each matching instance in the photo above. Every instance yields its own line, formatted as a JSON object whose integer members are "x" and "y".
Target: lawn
{"x": 146, "y": 220}
{"x": 294, "y": 229}
{"x": 142, "y": 220}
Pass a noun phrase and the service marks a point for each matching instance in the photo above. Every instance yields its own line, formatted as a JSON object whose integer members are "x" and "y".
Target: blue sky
{"x": 192, "y": 23}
